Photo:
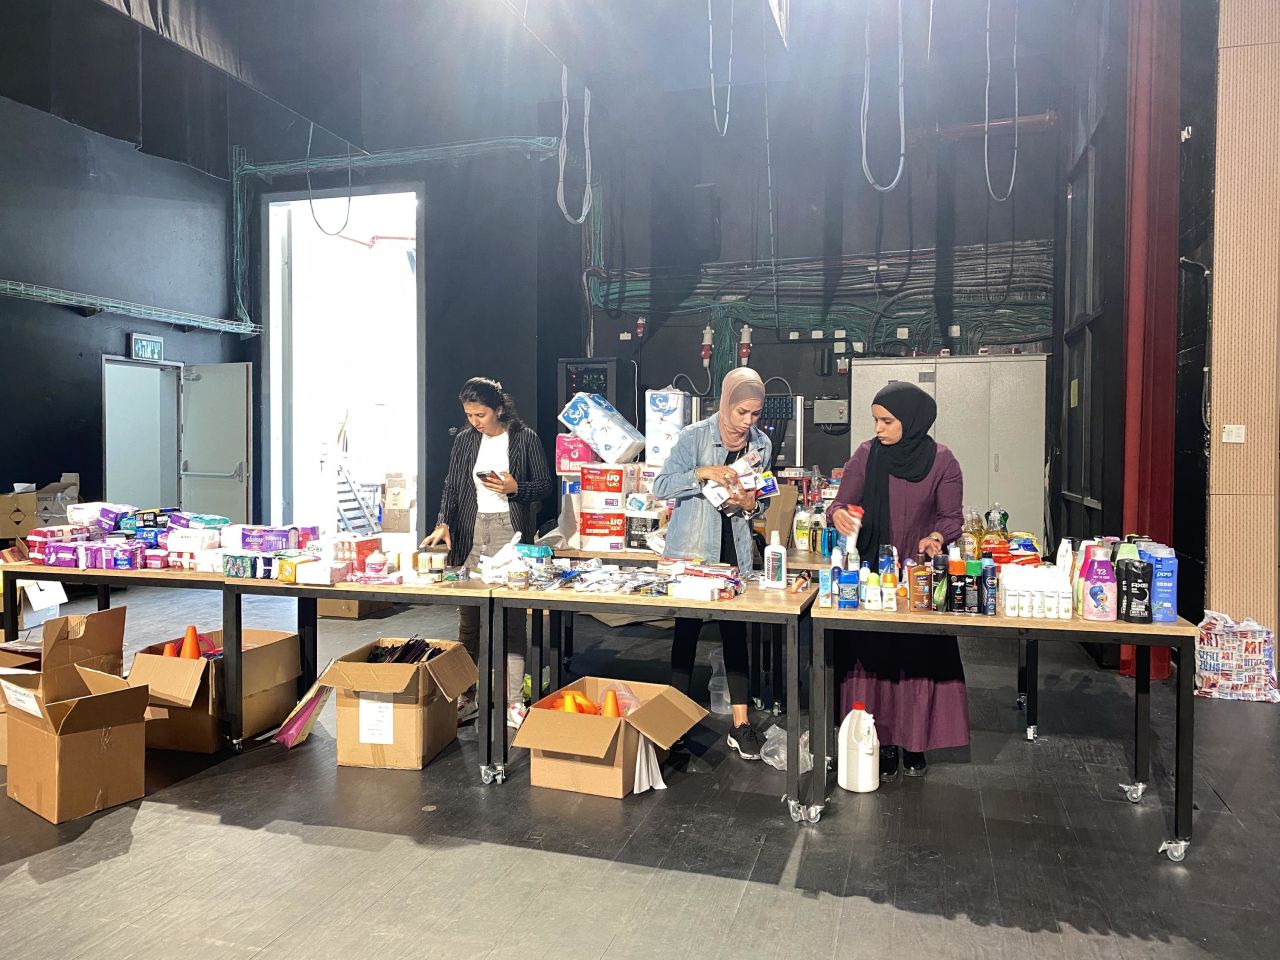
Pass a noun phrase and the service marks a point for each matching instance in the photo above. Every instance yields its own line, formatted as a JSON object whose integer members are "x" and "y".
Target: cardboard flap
{"x": 454, "y": 670}
{"x": 94, "y": 638}
{"x": 559, "y": 732}
{"x": 173, "y": 681}
{"x": 98, "y": 710}
{"x": 370, "y": 677}
{"x": 20, "y": 691}
{"x": 666, "y": 717}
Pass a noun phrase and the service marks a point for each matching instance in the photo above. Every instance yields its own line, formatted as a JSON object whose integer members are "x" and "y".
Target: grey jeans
{"x": 492, "y": 532}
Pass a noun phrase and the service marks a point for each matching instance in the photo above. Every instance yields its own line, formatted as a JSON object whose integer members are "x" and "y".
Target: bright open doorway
{"x": 345, "y": 351}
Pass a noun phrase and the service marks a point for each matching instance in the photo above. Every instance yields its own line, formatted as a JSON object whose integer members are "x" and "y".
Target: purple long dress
{"x": 912, "y": 683}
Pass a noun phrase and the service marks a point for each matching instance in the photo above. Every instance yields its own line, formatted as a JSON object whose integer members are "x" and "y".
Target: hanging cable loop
{"x": 311, "y": 202}
{"x": 866, "y": 100}
{"x": 986, "y": 111}
{"x": 711, "y": 64}
{"x": 564, "y": 147}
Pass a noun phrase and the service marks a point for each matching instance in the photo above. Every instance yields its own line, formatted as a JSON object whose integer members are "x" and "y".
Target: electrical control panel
{"x": 830, "y": 412}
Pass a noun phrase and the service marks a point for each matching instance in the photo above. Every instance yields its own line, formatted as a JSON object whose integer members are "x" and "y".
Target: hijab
{"x": 911, "y": 459}
{"x": 739, "y": 385}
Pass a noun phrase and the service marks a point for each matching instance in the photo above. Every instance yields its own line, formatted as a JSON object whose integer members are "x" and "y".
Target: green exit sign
{"x": 143, "y": 347}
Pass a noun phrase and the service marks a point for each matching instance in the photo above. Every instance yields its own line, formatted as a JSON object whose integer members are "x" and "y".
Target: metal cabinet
{"x": 990, "y": 415}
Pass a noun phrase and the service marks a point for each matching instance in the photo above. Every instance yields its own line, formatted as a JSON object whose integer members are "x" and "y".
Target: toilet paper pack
{"x": 594, "y": 419}
{"x": 667, "y": 412}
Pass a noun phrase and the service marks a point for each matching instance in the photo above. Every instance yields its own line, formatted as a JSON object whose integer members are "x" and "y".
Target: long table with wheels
{"x": 1180, "y": 636}
{"x": 757, "y": 605}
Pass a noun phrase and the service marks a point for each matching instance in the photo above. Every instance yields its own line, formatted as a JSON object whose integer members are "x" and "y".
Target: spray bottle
{"x": 775, "y": 563}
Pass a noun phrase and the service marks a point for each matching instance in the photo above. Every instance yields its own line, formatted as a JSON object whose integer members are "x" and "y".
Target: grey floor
{"x": 1009, "y": 849}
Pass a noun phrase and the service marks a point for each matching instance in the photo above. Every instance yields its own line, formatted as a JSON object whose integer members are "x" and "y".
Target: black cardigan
{"x": 528, "y": 465}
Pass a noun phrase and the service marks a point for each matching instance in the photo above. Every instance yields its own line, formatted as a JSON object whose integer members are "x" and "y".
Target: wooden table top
{"x": 961, "y": 622}
{"x": 19, "y": 570}
{"x": 756, "y": 599}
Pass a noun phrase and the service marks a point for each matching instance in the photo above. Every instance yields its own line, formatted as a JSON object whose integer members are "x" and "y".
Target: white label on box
{"x": 1233, "y": 433}
{"x": 377, "y": 718}
{"x": 903, "y": 333}
{"x": 21, "y": 698}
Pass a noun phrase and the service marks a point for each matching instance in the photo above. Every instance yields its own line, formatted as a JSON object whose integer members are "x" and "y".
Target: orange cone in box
{"x": 611, "y": 704}
{"x": 191, "y": 645}
{"x": 570, "y": 705}
{"x": 171, "y": 648}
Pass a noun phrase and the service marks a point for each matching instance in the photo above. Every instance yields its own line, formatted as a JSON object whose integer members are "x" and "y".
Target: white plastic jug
{"x": 858, "y": 751}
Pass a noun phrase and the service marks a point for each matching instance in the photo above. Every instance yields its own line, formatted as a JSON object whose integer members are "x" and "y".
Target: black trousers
{"x": 684, "y": 650}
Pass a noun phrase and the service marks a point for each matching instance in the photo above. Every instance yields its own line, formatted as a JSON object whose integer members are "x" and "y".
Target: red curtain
{"x": 1151, "y": 275}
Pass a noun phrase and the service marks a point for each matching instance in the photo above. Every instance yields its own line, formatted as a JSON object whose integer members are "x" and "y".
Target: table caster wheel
{"x": 499, "y": 774}
{"x": 1031, "y": 733}
{"x": 812, "y": 814}
{"x": 1133, "y": 791}
{"x": 1021, "y": 702}
{"x": 757, "y": 703}
{"x": 1175, "y": 850}
{"x": 486, "y": 774}
{"x": 237, "y": 746}
{"x": 777, "y": 709}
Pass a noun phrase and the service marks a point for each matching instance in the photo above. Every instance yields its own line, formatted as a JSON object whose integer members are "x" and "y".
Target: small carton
{"x": 597, "y": 755}
{"x": 322, "y": 573}
{"x": 667, "y": 412}
{"x": 255, "y": 539}
{"x": 398, "y": 493}
{"x": 188, "y": 697}
{"x": 76, "y": 741}
{"x": 398, "y": 715}
{"x": 355, "y": 549}
{"x": 572, "y": 454}
{"x": 287, "y": 567}
{"x": 641, "y": 523}
{"x": 18, "y": 514}
{"x": 594, "y": 419}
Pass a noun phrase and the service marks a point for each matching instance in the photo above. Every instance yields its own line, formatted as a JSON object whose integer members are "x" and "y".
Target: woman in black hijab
{"x": 910, "y": 489}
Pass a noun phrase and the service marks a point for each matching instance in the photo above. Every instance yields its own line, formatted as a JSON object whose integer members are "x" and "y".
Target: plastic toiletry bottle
{"x": 858, "y": 751}
{"x": 955, "y": 575}
{"x": 864, "y": 577}
{"x": 1009, "y": 590}
{"x": 971, "y": 534}
{"x": 1164, "y": 582}
{"x": 775, "y": 563}
{"x": 988, "y": 586}
{"x": 849, "y": 585}
{"x": 921, "y": 592}
{"x": 889, "y": 591}
{"x": 800, "y": 530}
{"x": 1065, "y": 609}
{"x": 1049, "y": 585}
{"x": 1099, "y": 586}
{"x": 940, "y": 583}
{"x": 873, "y": 595}
{"x": 851, "y": 559}
{"x": 973, "y": 586}
{"x": 837, "y": 571}
{"x": 1066, "y": 556}
{"x": 1037, "y": 595}
{"x": 885, "y": 562}
{"x": 1138, "y": 608}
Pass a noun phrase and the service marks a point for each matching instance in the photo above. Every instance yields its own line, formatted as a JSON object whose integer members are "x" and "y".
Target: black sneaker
{"x": 888, "y": 763}
{"x": 745, "y": 740}
{"x": 913, "y": 764}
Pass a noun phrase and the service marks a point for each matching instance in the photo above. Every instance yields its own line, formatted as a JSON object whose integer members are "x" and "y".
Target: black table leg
{"x": 555, "y": 641}
{"x": 793, "y": 720}
{"x": 484, "y": 688}
{"x": 1185, "y": 739}
{"x": 1142, "y": 716}
{"x": 1033, "y": 687}
{"x": 308, "y": 632}
{"x": 753, "y": 677}
{"x": 1022, "y": 675}
{"x": 534, "y": 664}
{"x": 233, "y": 678}
{"x": 104, "y": 597}
{"x": 819, "y": 714}
{"x": 11, "y": 602}
{"x": 567, "y": 653}
{"x": 501, "y": 618}
{"x": 779, "y": 696}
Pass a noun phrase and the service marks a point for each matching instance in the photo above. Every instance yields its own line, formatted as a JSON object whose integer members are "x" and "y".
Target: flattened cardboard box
{"x": 597, "y": 755}
{"x": 188, "y": 697}
{"x": 398, "y": 715}
{"x": 94, "y": 640}
{"x": 76, "y": 741}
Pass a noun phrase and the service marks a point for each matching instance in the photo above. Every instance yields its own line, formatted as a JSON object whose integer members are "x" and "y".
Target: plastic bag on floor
{"x": 774, "y": 750}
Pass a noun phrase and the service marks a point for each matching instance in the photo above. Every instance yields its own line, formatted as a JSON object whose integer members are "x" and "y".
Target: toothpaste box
{"x": 667, "y": 412}
{"x": 572, "y": 454}
{"x": 594, "y": 419}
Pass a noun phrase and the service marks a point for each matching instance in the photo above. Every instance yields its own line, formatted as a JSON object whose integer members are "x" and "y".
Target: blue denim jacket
{"x": 694, "y": 530}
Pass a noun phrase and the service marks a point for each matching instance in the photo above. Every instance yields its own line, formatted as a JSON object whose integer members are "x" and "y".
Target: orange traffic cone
{"x": 171, "y": 648}
{"x": 191, "y": 645}
{"x": 571, "y": 705}
{"x": 611, "y": 704}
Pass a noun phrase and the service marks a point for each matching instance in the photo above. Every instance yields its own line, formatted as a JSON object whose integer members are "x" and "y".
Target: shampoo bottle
{"x": 775, "y": 563}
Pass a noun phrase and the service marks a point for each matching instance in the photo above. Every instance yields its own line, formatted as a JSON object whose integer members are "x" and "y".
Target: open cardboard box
{"x": 187, "y": 710}
{"x": 350, "y": 609}
{"x": 597, "y": 755}
{"x": 398, "y": 715}
{"x": 94, "y": 640}
{"x": 76, "y": 741}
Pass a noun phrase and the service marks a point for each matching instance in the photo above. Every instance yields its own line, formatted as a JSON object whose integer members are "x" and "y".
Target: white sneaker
{"x": 516, "y": 712}
{"x": 468, "y": 709}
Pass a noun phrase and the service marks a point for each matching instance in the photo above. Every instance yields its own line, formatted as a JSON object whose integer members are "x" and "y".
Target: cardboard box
{"x": 597, "y": 755}
{"x": 667, "y": 412}
{"x": 594, "y": 419}
{"x": 76, "y": 741}
{"x": 355, "y": 549}
{"x": 641, "y": 523}
{"x": 398, "y": 492}
{"x": 572, "y": 454}
{"x": 53, "y": 499}
{"x": 18, "y": 514}
{"x": 398, "y": 715}
{"x": 188, "y": 700}
{"x": 398, "y": 521}
{"x": 350, "y": 609}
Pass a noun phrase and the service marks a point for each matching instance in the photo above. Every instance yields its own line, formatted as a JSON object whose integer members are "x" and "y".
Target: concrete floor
{"x": 1008, "y": 849}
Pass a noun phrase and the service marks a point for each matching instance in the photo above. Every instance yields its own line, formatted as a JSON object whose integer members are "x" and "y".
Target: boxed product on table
{"x": 398, "y": 715}
{"x": 188, "y": 705}
{"x": 586, "y": 753}
{"x": 667, "y": 412}
{"x": 322, "y": 573}
{"x": 128, "y": 556}
{"x": 570, "y": 486}
{"x": 641, "y": 523}
{"x": 182, "y": 560}
{"x": 307, "y": 535}
{"x": 153, "y": 537}
{"x": 256, "y": 539}
{"x": 240, "y": 566}
{"x": 57, "y": 554}
{"x": 191, "y": 539}
{"x": 355, "y": 549}
{"x": 107, "y": 514}
{"x": 198, "y": 521}
{"x": 606, "y": 488}
{"x": 208, "y": 561}
{"x": 592, "y": 418}
{"x": 572, "y": 454}
{"x": 603, "y": 532}
{"x": 287, "y": 566}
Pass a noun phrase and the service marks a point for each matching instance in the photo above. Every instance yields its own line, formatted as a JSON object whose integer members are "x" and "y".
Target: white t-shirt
{"x": 492, "y": 456}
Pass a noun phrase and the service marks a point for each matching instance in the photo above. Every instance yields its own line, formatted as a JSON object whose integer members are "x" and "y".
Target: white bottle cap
{"x": 773, "y": 539}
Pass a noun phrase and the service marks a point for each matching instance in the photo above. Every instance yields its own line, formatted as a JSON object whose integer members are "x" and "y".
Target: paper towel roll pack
{"x": 594, "y": 419}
